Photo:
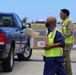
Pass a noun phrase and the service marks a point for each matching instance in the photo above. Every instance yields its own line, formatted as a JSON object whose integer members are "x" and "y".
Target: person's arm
{"x": 48, "y": 46}
{"x": 70, "y": 30}
{"x": 58, "y": 42}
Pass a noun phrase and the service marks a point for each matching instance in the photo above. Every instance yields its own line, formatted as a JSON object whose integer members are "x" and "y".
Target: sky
{"x": 38, "y": 9}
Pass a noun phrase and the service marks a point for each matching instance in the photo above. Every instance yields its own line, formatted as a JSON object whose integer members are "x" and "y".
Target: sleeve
{"x": 70, "y": 29}
{"x": 59, "y": 38}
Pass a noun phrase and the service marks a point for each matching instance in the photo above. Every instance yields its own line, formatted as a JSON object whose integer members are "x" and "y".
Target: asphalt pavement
{"x": 35, "y": 65}
{"x": 73, "y": 51}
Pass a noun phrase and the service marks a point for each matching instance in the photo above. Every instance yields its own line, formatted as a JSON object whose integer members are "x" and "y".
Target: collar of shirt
{"x": 65, "y": 20}
{"x": 51, "y": 29}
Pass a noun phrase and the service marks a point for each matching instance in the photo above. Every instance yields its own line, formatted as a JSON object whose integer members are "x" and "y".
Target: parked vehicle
{"x": 13, "y": 41}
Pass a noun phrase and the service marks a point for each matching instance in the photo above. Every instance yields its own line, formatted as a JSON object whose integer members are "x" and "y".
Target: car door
{"x": 23, "y": 37}
{"x": 18, "y": 33}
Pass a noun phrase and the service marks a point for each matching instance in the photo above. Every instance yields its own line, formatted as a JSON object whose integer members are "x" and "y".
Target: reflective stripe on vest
{"x": 70, "y": 39}
{"x": 54, "y": 52}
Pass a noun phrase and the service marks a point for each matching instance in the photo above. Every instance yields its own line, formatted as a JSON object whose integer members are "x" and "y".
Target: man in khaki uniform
{"x": 68, "y": 33}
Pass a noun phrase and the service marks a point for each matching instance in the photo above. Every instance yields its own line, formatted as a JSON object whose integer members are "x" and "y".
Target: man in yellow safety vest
{"x": 53, "y": 50}
{"x": 68, "y": 34}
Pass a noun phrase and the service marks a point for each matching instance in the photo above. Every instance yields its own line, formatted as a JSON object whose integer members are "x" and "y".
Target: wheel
{"x": 8, "y": 64}
{"x": 26, "y": 54}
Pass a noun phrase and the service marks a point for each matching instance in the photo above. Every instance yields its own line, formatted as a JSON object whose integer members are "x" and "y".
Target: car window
{"x": 19, "y": 21}
{"x": 6, "y": 20}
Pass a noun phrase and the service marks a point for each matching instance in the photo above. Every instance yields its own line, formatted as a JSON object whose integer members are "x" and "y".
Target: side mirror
{"x": 27, "y": 25}
{"x": 23, "y": 25}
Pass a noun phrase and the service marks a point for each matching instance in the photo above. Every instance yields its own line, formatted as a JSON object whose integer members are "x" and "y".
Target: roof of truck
{"x": 9, "y": 13}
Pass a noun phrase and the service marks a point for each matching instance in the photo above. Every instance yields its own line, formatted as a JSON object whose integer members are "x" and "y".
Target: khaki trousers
{"x": 67, "y": 59}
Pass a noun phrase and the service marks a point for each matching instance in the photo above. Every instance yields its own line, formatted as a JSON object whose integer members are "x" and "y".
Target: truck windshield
{"x": 6, "y": 21}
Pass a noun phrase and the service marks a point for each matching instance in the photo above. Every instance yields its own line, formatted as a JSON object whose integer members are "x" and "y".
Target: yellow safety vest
{"x": 69, "y": 39}
{"x": 54, "y": 52}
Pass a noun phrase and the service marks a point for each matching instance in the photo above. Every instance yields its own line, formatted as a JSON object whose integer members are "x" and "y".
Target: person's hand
{"x": 47, "y": 47}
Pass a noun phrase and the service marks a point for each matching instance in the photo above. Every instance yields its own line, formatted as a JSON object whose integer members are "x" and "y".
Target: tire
{"x": 8, "y": 64}
{"x": 26, "y": 54}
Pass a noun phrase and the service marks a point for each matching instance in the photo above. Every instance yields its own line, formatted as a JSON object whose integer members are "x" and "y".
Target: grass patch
{"x": 38, "y": 25}
{"x": 42, "y": 25}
